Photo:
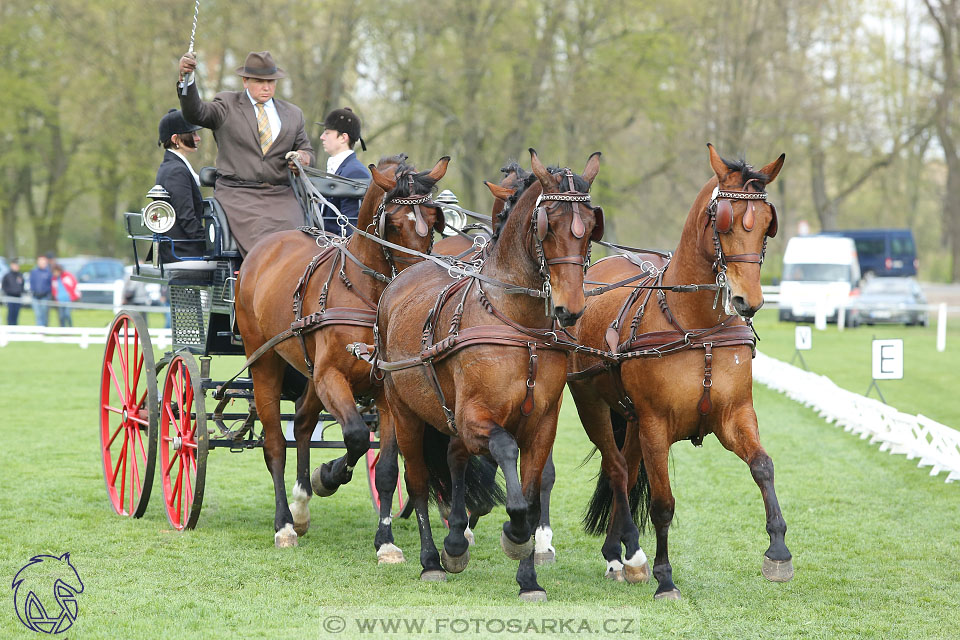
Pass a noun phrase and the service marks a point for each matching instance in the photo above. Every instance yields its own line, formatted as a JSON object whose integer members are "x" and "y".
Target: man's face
{"x": 260, "y": 90}
{"x": 15, "y": 266}
{"x": 42, "y": 262}
{"x": 334, "y": 142}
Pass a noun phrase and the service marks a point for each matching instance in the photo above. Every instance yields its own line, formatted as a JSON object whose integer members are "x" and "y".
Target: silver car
{"x": 892, "y": 301}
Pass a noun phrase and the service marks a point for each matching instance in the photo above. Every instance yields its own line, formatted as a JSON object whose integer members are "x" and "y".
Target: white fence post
{"x": 942, "y": 327}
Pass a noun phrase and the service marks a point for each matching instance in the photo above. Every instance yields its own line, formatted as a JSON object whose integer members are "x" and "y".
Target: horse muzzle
{"x": 743, "y": 308}
{"x": 566, "y": 318}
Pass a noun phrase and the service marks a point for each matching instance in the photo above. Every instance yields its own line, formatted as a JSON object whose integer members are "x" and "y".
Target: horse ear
{"x": 717, "y": 164}
{"x": 382, "y": 181}
{"x": 500, "y": 193}
{"x": 439, "y": 169}
{"x": 772, "y": 169}
{"x": 592, "y": 168}
{"x": 546, "y": 180}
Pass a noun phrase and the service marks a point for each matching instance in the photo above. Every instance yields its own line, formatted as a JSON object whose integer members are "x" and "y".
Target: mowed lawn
{"x": 876, "y": 541}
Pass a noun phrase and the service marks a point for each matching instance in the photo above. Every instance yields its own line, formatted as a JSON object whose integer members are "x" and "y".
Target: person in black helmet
{"x": 341, "y": 132}
{"x": 180, "y": 139}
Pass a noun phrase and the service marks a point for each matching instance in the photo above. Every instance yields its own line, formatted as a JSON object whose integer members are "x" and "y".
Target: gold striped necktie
{"x": 263, "y": 128}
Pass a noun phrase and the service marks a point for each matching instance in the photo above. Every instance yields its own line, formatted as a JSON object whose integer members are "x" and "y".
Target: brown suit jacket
{"x": 253, "y": 187}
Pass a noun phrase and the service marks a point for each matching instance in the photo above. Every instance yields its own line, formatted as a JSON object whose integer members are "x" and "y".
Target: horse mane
{"x": 422, "y": 182}
{"x": 579, "y": 184}
{"x": 748, "y": 173}
{"x": 514, "y": 167}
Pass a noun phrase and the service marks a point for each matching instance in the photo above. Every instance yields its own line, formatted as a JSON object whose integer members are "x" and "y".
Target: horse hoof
{"x": 777, "y": 570}
{"x": 614, "y": 574}
{"x": 389, "y": 553}
{"x": 285, "y": 538}
{"x": 544, "y": 557}
{"x": 454, "y": 564}
{"x": 673, "y": 594}
{"x": 316, "y": 482}
{"x": 533, "y": 596}
{"x": 433, "y": 575}
{"x": 633, "y": 575}
{"x": 513, "y": 550}
{"x": 301, "y": 528}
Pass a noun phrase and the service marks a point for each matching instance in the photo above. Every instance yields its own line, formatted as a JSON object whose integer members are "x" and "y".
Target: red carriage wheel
{"x": 399, "y": 496}
{"x": 183, "y": 442}
{"x": 128, "y": 414}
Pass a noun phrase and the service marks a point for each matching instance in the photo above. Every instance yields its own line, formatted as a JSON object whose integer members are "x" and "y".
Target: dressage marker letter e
{"x": 888, "y": 359}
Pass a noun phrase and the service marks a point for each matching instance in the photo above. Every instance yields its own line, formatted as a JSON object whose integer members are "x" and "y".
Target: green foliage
{"x": 847, "y": 89}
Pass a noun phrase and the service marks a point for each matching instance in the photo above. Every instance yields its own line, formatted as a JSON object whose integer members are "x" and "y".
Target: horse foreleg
{"x": 515, "y": 539}
{"x": 304, "y": 423}
{"x": 267, "y": 376}
{"x": 337, "y": 396}
{"x": 533, "y": 460}
{"x": 387, "y": 471}
{"x": 656, "y": 448}
{"x": 544, "y": 552}
{"x": 456, "y": 547}
{"x": 740, "y": 435}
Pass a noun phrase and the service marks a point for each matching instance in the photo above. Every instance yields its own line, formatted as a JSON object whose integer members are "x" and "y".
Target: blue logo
{"x": 45, "y": 594}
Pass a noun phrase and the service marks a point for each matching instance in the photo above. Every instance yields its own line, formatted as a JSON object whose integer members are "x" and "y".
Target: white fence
{"x": 936, "y": 445}
{"x": 83, "y": 336}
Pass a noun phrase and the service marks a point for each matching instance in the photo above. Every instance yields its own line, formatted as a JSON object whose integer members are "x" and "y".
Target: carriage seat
{"x": 220, "y": 241}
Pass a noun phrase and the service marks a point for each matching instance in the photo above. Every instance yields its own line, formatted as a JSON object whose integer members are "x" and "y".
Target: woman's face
{"x": 186, "y": 148}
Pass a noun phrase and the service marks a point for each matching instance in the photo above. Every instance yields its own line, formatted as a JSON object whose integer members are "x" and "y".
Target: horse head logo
{"x": 39, "y": 609}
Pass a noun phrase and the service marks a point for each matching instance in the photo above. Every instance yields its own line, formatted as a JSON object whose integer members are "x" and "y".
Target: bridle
{"x": 540, "y": 225}
{"x": 720, "y": 215}
{"x": 415, "y": 201}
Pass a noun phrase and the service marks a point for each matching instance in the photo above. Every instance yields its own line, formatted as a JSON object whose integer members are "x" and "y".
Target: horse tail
{"x": 596, "y": 519}
{"x": 482, "y": 490}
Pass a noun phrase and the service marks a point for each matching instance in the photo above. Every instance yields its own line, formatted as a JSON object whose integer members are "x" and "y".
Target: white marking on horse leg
{"x": 544, "y": 540}
{"x": 468, "y": 534}
{"x": 736, "y": 358}
{"x": 637, "y": 560}
{"x": 300, "y": 508}
{"x": 386, "y": 521}
{"x": 614, "y": 570}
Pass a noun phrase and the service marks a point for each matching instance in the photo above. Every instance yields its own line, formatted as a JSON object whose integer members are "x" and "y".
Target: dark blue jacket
{"x": 41, "y": 282}
{"x": 351, "y": 167}
{"x": 174, "y": 176}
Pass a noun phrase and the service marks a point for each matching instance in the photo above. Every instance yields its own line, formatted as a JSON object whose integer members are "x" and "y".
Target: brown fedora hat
{"x": 260, "y": 64}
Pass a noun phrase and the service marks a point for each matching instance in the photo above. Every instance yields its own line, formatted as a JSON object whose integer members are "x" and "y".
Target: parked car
{"x": 98, "y": 278}
{"x": 819, "y": 271}
{"x": 142, "y": 293}
{"x": 892, "y": 300}
{"x": 883, "y": 252}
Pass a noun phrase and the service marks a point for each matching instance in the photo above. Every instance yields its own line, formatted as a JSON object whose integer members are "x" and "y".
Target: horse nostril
{"x": 565, "y": 318}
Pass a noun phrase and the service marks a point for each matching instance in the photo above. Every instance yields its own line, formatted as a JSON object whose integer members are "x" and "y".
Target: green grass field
{"x": 875, "y": 539}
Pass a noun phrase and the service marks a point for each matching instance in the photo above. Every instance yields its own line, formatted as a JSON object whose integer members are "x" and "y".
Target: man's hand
{"x": 300, "y": 155}
{"x": 187, "y": 63}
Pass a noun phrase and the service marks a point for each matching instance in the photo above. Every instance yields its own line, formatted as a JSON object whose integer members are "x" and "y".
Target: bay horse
{"x": 484, "y": 492}
{"x": 682, "y": 369}
{"x": 494, "y": 374}
{"x": 326, "y": 313}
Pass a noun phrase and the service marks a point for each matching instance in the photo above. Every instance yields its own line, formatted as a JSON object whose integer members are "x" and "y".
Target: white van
{"x": 819, "y": 271}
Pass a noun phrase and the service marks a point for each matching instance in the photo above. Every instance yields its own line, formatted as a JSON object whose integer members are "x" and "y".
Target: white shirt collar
{"x": 334, "y": 162}
{"x": 186, "y": 162}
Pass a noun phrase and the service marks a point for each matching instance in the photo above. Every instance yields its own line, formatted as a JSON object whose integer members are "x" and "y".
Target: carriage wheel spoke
{"x": 123, "y": 474}
{"x": 115, "y": 433}
{"x": 138, "y": 359}
{"x": 189, "y": 484}
{"x": 116, "y": 383}
{"x": 143, "y": 449}
{"x": 173, "y": 459}
{"x": 113, "y": 409}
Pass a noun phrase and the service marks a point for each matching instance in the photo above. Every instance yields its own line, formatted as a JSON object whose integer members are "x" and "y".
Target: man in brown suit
{"x": 257, "y": 136}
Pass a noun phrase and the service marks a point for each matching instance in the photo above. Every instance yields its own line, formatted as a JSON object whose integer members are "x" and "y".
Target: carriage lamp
{"x": 159, "y": 217}
{"x": 453, "y": 219}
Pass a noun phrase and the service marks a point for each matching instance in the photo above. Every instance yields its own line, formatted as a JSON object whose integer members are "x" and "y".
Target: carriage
{"x": 154, "y": 411}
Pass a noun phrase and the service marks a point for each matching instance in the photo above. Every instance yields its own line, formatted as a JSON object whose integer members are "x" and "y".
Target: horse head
{"x": 735, "y": 225}
{"x": 561, "y": 224}
{"x": 407, "y": 215}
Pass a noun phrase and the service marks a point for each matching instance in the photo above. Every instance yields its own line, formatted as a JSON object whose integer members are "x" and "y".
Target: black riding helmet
{"x": 173, "y": 123}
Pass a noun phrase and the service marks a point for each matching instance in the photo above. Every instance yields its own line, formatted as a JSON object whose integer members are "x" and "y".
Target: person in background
{"x": 64, "y": 289}
{"x": 41, "y": 282}
{"x": 341, "y": 132}
{"x": 258, "y": 136}
{"x": 12, "y": 286}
